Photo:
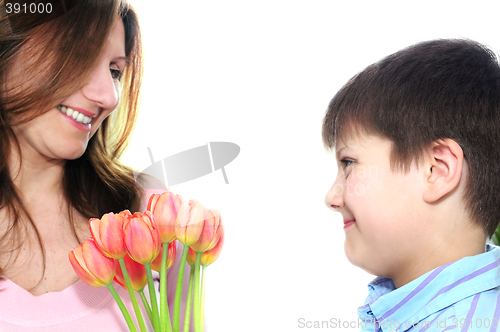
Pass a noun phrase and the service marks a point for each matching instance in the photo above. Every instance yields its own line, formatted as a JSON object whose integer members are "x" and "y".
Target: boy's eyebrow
{"x": 338, "y": 151}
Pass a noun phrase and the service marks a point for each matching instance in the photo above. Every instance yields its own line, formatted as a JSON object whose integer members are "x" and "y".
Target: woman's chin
{"x": 73, "y": 152}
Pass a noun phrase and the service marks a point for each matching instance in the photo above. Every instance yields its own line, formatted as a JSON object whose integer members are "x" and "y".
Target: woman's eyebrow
{"x": 123, "y": 58}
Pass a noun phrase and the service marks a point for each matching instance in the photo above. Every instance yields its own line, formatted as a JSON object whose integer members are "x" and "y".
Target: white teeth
{"x": 77, "y": 116}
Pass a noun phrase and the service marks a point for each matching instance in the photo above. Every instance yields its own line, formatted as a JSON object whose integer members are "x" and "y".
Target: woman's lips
{"x": 349, "y": 222}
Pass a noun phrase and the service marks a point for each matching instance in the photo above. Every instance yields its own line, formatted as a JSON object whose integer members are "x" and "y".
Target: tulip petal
{"x": 142, "y": 239}
{"x": 136, "y": 273}
{"x": 91, "y": 265}
{"x": 152, "y": 202}
{"x": 189, "y": 224}
{"x": 82, "y": 272}
{"x": 172, "y": 252}
{"x": 111, "y": 234}
{"x": 101, "y": 267}
{"x": 165, "y": 214}
{"x": 210, "y": 256}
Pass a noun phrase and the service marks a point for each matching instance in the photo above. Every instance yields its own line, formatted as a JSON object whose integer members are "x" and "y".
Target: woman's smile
{"x": 75, "y": 118}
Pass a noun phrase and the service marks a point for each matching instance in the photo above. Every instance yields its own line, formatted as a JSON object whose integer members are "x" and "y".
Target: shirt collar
{"x": 433, "y": 291}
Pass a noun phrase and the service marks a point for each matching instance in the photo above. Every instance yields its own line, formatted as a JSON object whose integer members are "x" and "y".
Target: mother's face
{"x": 64, "y": 131}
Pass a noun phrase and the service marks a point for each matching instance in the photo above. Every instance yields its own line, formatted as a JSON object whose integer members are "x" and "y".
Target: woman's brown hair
{"x": 60, "y": 52}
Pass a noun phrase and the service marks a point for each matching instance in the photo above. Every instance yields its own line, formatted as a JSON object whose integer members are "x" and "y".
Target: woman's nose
{"x": 101, "y": 88}
{"x": 334, "y": 198}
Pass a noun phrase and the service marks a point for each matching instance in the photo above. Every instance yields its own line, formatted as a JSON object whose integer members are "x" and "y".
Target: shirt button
{"x": 392, "y": 330}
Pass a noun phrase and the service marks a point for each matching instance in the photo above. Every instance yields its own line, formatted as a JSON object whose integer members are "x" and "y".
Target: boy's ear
{"x": 443, "y": 169}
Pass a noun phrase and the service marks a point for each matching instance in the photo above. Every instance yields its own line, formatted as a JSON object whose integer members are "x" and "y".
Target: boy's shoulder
{"x": 459, "y": 294}
{"x": 478, "y": 311}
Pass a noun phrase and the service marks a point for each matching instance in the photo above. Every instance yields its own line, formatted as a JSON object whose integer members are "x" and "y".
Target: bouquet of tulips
{"x": 125, "y": 247}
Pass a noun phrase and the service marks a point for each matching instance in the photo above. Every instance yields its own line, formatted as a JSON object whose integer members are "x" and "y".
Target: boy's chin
{"x": 359, "y": 259}
{"x": 352, "y": 255}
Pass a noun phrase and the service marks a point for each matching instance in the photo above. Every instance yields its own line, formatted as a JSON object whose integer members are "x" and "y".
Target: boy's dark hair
{"x": 426, "y": 92}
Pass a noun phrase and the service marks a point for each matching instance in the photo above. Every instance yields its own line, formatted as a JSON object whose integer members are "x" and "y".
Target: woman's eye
{"x": 116, "y": 74}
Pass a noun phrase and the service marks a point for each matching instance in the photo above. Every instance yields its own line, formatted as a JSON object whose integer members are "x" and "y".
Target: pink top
{"x": 79, "y": 307}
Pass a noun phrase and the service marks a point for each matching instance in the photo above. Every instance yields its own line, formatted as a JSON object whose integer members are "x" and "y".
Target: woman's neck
{"x": 37, "y": 174}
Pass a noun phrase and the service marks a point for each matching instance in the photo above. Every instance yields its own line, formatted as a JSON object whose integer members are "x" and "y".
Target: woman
{"x": 62, "y": 76}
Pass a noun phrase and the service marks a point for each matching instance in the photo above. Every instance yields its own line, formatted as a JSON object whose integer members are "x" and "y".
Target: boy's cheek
{"x": 355, "y": 187}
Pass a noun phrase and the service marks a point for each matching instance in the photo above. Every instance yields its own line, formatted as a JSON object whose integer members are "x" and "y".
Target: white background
{"x": 260, "y": 74}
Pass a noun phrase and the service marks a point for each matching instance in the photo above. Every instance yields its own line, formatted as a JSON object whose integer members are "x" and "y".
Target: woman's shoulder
{"x": 149, "y": 185}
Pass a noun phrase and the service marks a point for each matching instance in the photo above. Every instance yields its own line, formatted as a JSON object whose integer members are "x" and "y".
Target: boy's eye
{"x": 116, "y": 74}
{"x": 346, "y": 162}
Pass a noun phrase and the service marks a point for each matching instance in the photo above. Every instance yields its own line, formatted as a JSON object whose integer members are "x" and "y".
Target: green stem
{"x": 123, "y": 309}
{"x": 146, "y": 304}
{"x": 202, "y": 301}
{"x": 496, "y": 237}
{"x": 187, "y": 313}
{"x": 178, "y": 290}
{"x": 197, "y": 316}
{"x": 131, "y": 293}
{"x": 152, "y": 296}
{"x": 164, "y": 314}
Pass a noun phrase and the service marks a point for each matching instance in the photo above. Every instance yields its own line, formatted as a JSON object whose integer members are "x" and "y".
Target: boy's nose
{"x": 334, "y": 197}
{"x": 101, "y": 88}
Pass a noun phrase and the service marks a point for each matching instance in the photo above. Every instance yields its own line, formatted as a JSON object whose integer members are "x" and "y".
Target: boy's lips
{"x": 349, "y": 222}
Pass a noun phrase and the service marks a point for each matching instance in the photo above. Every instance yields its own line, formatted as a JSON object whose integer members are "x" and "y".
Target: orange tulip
{"x": 136, "y": 272}
{"x": 191, "y": 257}
{"x": 108, "y": 234}
{"x": 189, "y": 223}
{"x": 125, "y": 214}
{"x": 210, "y": 234}
{"x": 209, "y": 256}
{"x": 91, "y": 265}
{"x": 164, "y": 208}
{"x": 172, "y": 252}
{"x": 141, "y": 236}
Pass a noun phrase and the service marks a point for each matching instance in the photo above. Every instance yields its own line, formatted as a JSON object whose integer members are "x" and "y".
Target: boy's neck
{"x": 450, "y": 249}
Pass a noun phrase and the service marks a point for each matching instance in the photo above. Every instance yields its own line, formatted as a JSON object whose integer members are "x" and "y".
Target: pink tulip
{"x": 141, "y": 236}
{"x": 212, "y": 226}
{"x": 108, "y": 234}
{"x": 136, "y": 272}
{"x": 209, "y": 256}
{"x": 189, "y": 224}
{"x": 164, "y": 208}
{"x": 91, "y": 265}
{"x": 172, "y": 252}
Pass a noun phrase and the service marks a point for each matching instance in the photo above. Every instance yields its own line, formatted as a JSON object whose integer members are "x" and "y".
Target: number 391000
{"x": 32, "y": 8}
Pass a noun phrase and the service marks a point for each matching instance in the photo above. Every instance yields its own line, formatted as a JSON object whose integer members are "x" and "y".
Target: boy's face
{"x": 386, "y": 207}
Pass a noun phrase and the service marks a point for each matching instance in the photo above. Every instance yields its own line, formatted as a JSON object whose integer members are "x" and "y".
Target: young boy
{"x": 417, "y": 139}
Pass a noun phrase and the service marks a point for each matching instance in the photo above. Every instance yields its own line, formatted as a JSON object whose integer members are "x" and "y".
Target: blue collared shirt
{"x": 460, "y": 296}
